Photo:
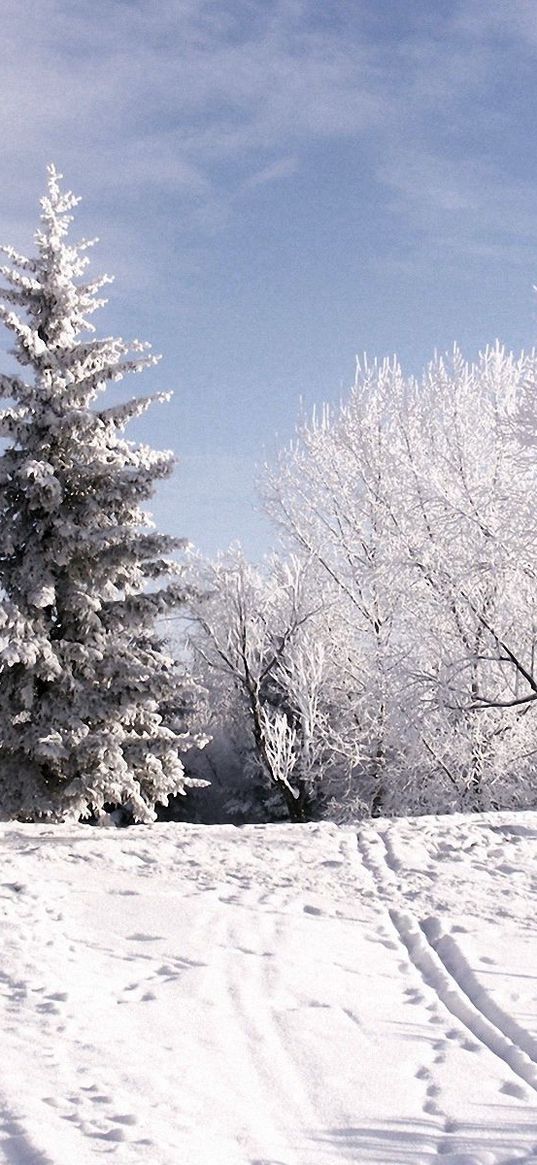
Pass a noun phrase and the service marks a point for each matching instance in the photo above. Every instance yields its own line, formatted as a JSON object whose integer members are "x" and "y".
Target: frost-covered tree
{"x": 330, "y": 494}
{"x": 414, "y": 502}
{"x": 264, "y": 655}
{"x": 93, "y": 710}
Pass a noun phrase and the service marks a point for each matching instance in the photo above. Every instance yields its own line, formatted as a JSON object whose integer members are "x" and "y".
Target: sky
{"x": 277, "y": 186}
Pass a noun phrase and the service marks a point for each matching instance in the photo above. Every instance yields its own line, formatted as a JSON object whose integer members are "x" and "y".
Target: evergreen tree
{"x": 93, "y": 708}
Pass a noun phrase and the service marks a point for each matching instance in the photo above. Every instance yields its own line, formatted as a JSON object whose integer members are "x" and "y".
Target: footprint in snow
{"x": 48, "y": 1008}
{"x": 266, "y": 1161}
{"x": 414, "y": 995}
{"x": 509, "y": 1088}
{"x": 241, "y": 950}
{"x": 471, "y": 1046}
{"x": 431, "y": 1108}
{"x": 144, "y": 938}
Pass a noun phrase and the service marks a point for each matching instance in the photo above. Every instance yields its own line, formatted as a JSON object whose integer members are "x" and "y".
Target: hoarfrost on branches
{"x": 414, "y": 506}
{"x": 282, "y": 742}
{"x": 94, "y": 710}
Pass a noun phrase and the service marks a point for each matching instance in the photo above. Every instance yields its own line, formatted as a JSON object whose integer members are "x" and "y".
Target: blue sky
{"x": 278, "y": 185}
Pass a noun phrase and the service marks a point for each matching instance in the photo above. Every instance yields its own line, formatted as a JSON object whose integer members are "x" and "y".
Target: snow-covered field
{"x": 271, "y": 995}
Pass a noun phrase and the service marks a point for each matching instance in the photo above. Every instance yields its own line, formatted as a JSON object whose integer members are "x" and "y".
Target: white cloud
{"x": 186, "y": 98}
{"x": 462, "y": 206}
{"x": 281, "y": 168}
{"x": 109, "y": 72}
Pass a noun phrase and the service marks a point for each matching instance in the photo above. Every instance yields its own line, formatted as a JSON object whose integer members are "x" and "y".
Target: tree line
{"x": 382, "y": 661}
{"x": 386, "y": 662}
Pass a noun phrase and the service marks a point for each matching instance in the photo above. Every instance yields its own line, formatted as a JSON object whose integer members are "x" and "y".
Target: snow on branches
{"x": 415, "y": 505}
{"x": 283, "y": 744}
{"x": 94, "y": 710}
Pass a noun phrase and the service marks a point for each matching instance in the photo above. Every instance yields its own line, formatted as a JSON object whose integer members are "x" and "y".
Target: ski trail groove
{"x": 248, "y": 1025}
{"x": 442, "y": 967}
{"x": 454, "y": 997}
{"x": 460, "y": 971}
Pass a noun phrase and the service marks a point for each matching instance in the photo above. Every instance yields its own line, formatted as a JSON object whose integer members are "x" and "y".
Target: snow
{"x": 76, "y": 558}
{"x": 270, "y": 995}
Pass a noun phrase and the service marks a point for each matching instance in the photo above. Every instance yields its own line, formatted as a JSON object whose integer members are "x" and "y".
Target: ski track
{"x": 277, "y": 1087}
{"x": 438, "y": 960}
{"x": 251, "y": 1024}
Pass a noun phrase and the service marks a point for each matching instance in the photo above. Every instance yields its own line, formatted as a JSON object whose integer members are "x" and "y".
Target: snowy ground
{"x": 277, "y": 995}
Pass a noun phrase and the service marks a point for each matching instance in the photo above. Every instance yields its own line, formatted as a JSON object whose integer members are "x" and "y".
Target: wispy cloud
{"x": 202, "y": 101}
{"x": 281, "y": 168}
{"x": 221, "y": 79}
{"x": 174, "y": 119}
{"x": 133, "y": 95}
{"x": 193, "y": 100}
{"x": 460, "y": 205}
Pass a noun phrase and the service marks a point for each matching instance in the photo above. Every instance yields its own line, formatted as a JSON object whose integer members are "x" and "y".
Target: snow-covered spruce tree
{"x": 93, "y": 710}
